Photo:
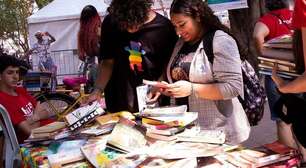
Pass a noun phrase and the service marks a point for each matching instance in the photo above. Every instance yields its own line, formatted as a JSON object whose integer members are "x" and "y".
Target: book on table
{"x": 284, "y": 74}
{"x": 174, "y": 121}
{"x": 278, "y": 45}
{"x": 167, "y": 132}
{"x": 261, "y": 156}
{"x": 180, "y": 150}
{"x": 164, "y": 111}
{"x": 54, "y": 130}
{"x": 80, "y": 113}
{"x": 205, "y": 136}
{"x": 126, "y": 138}
{"x": 278, "y": 61}
{"x": 279, "y": 67}
{"x": 98, "y": 154}
{"x": 49, "y": 128}
{"x": 66, "y": 152}
{"x": 161, "y": 137}
{"x": 284, "y": 41}
{"x": 280, "y": 54}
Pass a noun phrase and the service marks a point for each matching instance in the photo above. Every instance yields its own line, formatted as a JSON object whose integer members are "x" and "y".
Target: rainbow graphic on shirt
{"x": 135, "y": 56}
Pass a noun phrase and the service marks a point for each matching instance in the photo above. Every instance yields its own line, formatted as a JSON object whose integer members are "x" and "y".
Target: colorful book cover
{"x": 98, "y": 154}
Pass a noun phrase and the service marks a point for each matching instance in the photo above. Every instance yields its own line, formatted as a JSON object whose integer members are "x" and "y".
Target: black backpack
{"x": 254, "y": 94}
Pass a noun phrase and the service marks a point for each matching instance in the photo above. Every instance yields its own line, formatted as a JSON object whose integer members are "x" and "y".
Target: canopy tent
{"x": 61, "y": 19}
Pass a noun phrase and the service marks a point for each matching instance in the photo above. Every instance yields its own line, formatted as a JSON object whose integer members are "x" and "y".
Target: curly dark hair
{"x": 276, "y": 4}
{"x": 8, "y": 60}
{"x": 198, "y": 9}
{"x": 130, "y": 12}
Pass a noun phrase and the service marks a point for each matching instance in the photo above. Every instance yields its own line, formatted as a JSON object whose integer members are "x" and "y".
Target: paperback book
{"x": 126, "y": 138}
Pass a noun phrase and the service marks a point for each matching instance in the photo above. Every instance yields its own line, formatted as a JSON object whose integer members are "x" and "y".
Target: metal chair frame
{"x": 11, "y": 147}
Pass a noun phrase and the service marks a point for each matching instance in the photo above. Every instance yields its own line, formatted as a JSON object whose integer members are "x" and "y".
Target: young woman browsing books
{"x": 208, "y": 88}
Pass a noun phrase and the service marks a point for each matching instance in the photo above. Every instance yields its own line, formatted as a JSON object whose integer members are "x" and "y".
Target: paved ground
{"x": 265, "y": 132}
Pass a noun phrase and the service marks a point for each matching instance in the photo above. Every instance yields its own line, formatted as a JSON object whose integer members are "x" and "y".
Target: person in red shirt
{"x": 25, "y": 113}
{"x": 275, "y": 23}
{"x": 299, "y": 84}
{"x": 299, "y": 15}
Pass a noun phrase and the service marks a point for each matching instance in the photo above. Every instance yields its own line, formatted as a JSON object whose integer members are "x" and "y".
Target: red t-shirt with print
{"x": 299, "y": 14}
{"x": 19, "y": 108}
{"x": 277, "y": 27}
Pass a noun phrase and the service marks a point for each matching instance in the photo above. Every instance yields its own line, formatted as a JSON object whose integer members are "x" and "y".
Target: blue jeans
{"x": 273, "y": 96}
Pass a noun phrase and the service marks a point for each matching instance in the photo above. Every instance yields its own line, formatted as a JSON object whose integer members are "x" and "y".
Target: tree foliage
{"x": 13, "y": 22}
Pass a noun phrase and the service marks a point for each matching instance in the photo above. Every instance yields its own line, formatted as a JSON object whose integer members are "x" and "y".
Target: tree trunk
{"x": 242, "y": 22}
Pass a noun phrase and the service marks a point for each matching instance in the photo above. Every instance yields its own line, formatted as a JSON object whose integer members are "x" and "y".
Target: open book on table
{"x": 126, "y": 138}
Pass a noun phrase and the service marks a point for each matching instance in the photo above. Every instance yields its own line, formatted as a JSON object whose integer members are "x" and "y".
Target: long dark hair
{"x": 298, "y": 51}
{"x": 87, "y": 36}
{"x": 199, "y": 9}
{"x": 275, "y": 4}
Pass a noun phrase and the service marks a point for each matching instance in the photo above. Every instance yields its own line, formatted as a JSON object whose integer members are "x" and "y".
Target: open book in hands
{"x": 157, "y": 84}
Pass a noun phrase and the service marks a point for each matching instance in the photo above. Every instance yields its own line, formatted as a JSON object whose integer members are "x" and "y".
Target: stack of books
{"x": 52, "y": 131}
{"x": 278, "y": 51}
{"x": 163, "y": 123}
{"x": 268, "y": 154}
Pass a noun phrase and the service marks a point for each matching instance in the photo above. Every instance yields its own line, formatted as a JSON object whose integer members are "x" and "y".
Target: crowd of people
{"x": 171, "y": 51}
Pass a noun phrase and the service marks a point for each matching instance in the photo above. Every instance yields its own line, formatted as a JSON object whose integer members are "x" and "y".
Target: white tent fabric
{"x": 61, "y": 19}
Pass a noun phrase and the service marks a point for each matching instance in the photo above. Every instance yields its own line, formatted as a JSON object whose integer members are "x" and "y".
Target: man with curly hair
{"x": 136, "y": 44}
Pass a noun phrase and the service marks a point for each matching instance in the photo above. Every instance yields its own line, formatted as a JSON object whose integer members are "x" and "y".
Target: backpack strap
{"x": 208, "y": 45}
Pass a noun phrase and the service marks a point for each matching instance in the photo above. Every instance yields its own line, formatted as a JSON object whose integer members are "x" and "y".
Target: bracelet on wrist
{"x": 191, "y": 88}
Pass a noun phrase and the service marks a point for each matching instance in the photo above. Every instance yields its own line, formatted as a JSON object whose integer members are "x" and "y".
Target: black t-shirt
{"x": 180, "y": 67}
{"x": 155, "y": 41}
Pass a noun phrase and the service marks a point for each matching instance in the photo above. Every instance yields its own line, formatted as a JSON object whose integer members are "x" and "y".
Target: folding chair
{"x": 12, "y": 150}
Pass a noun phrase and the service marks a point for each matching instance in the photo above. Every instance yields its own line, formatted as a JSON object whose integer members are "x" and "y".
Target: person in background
{"x": 276, "y": 22}
{"x": 208, "y": 88}
{"x": 136, "y": 44}
{"x": 88, "y": 47}
{"x": 25, "y": 113}
{"x": 41, "y": 49}
{"x": 299, "y": 84}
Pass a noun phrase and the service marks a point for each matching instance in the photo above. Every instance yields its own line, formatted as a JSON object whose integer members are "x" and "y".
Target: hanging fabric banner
{"x": 163, "y": 6}
{"x": 221, "y": 5}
